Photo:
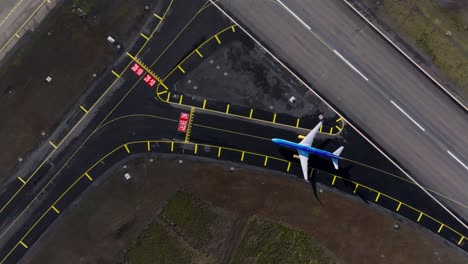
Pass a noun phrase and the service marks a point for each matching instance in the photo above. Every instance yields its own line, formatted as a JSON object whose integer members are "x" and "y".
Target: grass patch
{"x": 268, "y": 242}
{"x": 157, "y": 246}
{"x": 191, "y": 217}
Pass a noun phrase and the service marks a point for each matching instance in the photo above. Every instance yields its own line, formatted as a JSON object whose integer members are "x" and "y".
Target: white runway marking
{"x": 294, "y": 15}
{"x": 350, "y": 65}
{"x": 408, "y": 116}
{"x": 457, "y": 159}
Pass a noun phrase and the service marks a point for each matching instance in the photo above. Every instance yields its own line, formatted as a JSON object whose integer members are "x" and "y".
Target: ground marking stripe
{"x": 199, "y": 54}
{"x": 23, "y": 244}
{"x": 116, "y": 74}
{"x": 157, "y": 16}
{"x": 52, "y": 144}
{"x": 144, "y": 36}
{"x": 89, "y": 177}
{"x": 148, "y": 146}
{"x": 126, "y": 148}
{"x": 55, "y": 209}
{"x": 84, "y": 109}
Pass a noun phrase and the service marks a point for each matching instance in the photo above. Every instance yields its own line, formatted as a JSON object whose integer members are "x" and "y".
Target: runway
{"x": 371, "y": 83}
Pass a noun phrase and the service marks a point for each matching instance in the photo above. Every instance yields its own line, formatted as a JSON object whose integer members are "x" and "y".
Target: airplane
{"x": 304, "y": 148}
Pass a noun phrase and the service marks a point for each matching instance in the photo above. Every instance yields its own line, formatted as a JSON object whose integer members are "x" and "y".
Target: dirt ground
{"x": 112, "y": 215}
{"x": 69, "y": 49}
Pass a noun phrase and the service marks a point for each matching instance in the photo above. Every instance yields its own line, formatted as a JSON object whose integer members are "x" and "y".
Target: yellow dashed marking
{"x": 23, "y": 244}
{"x": 219, "y": 152}
{"x": 461, "y": 240}
{"x": 126, "y": 148}
{"x": 144, "y": 36}
{"x": 398, "y": 208}
{"x": 199, "y": 54}
{"x": 16, "y": 35}
{"x": 116, "y": 74}
{"x": 196, "y": 149}
{"x": 321, "y": 127}
{"x": 355, "y": 189}
{"x": 158, "y": 17}
{"x": 148, "y": 145}
{"x": 377, "y": 198}
{"x": 242, "y": 157}
{"x": 339, "y": 119}
{"x": 52, "y": 144}
{"x": 89, "y": 177}
{"x": 233, "y": 29}
{"x": 204, "y": 103}
{"x": 266, "y": 161}
{"x": 339, "y": 128}
{"x": 331, "y": 130}
{"x": 289, "y": 166}
{"x": 217, "y": 39}
{"x": 297, "y": 122}
{"x": 84, "y": 109}
{"x": 251, "y": 113}
{"x": 274, "y": 118}
{"x": 440, "y": 228}
{"x": 227, "y": 108}
{"x": 172, "y": 146}
{"x": 180, "y": 98}
{"x": 55, "y": 209}
{"x": 180, "y": 68}
{"x": 163, "y": 92}
{"x": 21, "y": 180}
{"x": 334, "y": 179}
{"x": 168, "y": 96}
{"x": 419, "y": 218}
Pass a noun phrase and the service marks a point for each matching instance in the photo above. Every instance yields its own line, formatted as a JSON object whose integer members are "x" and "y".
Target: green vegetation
{"x": 191, "y": 217}
{"x": 267, "y": 242}
{"x": 442, "y": 33}
{"x": 157, "y": 246}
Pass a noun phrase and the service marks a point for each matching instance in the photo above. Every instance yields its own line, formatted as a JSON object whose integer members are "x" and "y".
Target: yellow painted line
{"x": 331, "y": 130}
{"x": 189, "y": 124}
{"x": 23, "y": 244}
{"x": 339, "y": 119}
{"x": 227, "y": 108}
{"x": 196, "y": 149}
{"x": 300, "y": 136}
{"x": 158, "y": 17}
{"x": 16, "y": 35}
{"x": 461, "y": 240}
{"x": 266, "y": 161}
{"x": 11, "y": 11}
{"x": 21, "y": 180}
{"x": 242, "y": 157}
{"x": 297, "y": 122}
{"x": 334, "y": 179}
{"x": 274, "y": 118}
{"x": 55, "y": 209}
{"x": 321, "y": 127}
{"x": 204, "y": 103}
{"x": 355, "y": 189}
{"x": 168, "y": 96}
{"x": 199, "y": 54}
{"x": 219, "y": 152}
{"x": 377, "y": 198}
{"x": 172, "y": 146}
{"x": 180, "y": 68}
{"x": 144, "y": 36}
{"x": 217, "y": 39}
{"x": 126, "y": 148}
{"x": 233, "y": 29}
{"x": 84, "y": 109}
{"x": 180, "y": 98}
{"x": 289, "y": 166}
{"x": 89, "y": 177}
{"x": 251, "y": 113}
{"x": 163, "y": 92}
{"x": 52, "y": 144}
{"x": 148, "y": 145}
{"x": 419, "y": 218}
{"x": 398, "y": 208}
{"x": 116, "y": 74}
{"x": 339, "y": 128}
{"x": 440, "y": 228}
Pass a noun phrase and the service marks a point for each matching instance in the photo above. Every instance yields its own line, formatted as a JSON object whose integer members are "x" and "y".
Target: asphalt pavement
{"x": 372, "y": 84}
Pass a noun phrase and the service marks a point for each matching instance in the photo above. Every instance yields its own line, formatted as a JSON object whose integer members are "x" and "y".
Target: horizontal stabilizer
{"x": 337, "y": 153}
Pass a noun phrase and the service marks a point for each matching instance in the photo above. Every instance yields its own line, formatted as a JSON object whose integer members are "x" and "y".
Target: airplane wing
{"x": 309, "y": 139}
{"x": 304, "y": 158}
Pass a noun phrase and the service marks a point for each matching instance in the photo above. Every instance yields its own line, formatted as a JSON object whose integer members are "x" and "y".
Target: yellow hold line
{"x": 126, "y": 148}
{"x": 89, "y": 177}
{"x": 52, "y": 144}
{"x": 55, "y": 209}
{"x": 116, "y": 74}
{"x": 84, "y": 109}
{"x": 199, "y": 54}
{"x": 21, "y": 180}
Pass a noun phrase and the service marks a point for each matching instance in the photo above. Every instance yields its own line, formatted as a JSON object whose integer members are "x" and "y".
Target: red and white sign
{"x": 183, "y": 121}
{"x": 149, "y": 80}
{"x": 137, "y": 69}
